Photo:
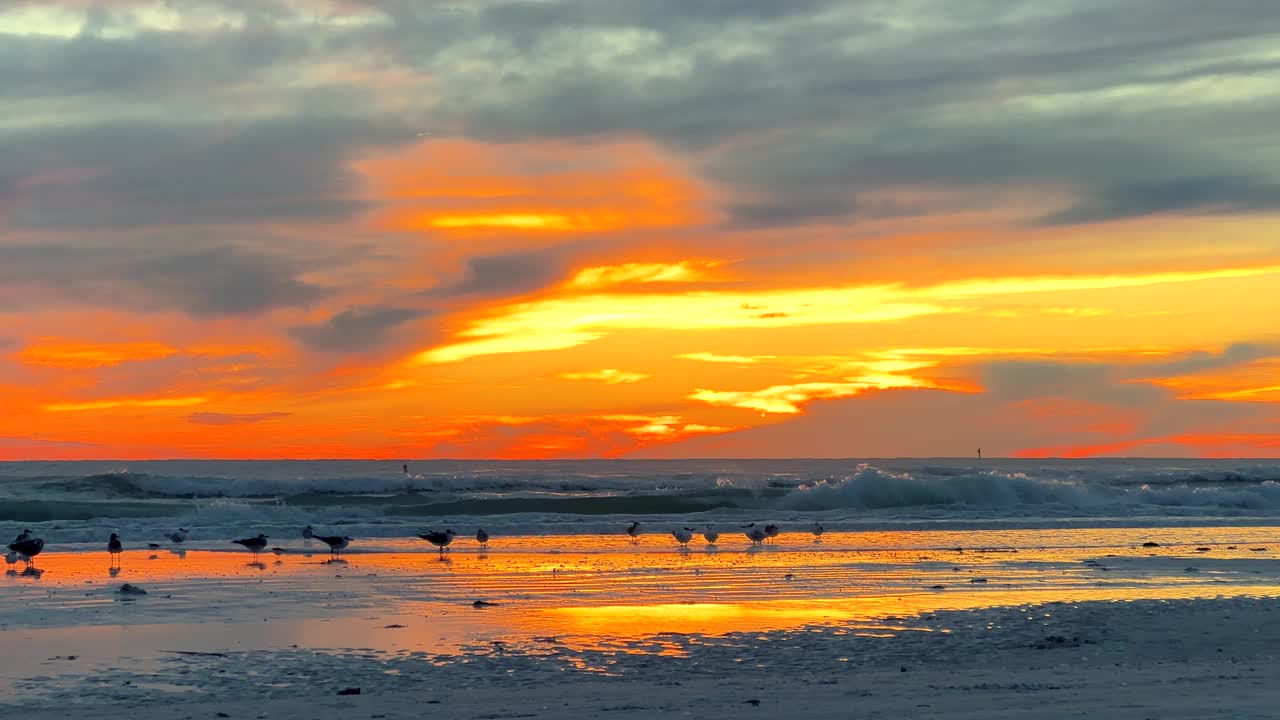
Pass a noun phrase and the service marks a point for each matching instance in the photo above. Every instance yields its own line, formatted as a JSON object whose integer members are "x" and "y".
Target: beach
{"x": 1071, "y": 622}
{"x": 899, "y": 588}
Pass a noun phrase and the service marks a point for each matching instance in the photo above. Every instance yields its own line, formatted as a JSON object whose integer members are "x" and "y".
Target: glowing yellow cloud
{"x": 125, "y": 402}
{"x": 1059, "y": 283}
{"x": 604, "y": 276}
{"x": 559, "y": 323}
{"x": 563, "y": 322}
{"x": 780, "y": 399}
{"x": 713, "y": 358}
{"x": 88, "y": 355}
{"x": 665, "y": 426}
{"x": 522, "y": 221}
{"x": 609, "y": 376}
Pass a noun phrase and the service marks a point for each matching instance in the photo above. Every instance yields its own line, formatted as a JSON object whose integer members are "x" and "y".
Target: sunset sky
{"x": 625, "y": 228}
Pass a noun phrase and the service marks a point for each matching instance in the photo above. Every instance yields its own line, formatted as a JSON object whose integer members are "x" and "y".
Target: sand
{"x": 1109, "y": 630}
{"x": 1176, "y": 659}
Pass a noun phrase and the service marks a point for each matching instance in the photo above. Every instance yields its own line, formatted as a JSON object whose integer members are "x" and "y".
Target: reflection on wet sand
{"x": 593, "y": 591}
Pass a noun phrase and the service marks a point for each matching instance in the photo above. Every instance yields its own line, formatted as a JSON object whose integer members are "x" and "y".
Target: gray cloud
{"x": 1015, "y": 380}
{"x": 216, "y": 418}
{"x": 805, "y": 110}
{"x": 223, "y": 280}
{"x": 355, "y": 330}
{"x": 150, "y": 174}
{"x": 1234, "y": 354}
{"x": 507, "y": 274}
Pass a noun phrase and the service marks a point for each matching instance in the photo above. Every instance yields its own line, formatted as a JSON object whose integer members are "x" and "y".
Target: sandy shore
{"x": 1176, "y": 659}
{"x": 1095, "y": 626}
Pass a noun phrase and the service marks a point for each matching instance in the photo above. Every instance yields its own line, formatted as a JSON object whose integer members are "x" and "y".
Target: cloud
{"x": 1201, "y": 360}
{"x": 357, "y": 329}
{"x": 508, "y": 274}
{"x": 29, "y": 442}
{"x": 608, "y": 376}
{"x": 221, "y": 280}
{"x": 216, "y": 418}
{"x": 87, "y": 355}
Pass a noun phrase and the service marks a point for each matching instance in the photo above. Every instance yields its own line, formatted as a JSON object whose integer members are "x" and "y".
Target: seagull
{"x": 308, "y": 532}
{"x": 255, "y": 544}
{"x": 180, "y": 536}
{"x": 24, "y": 535}
{"x": 711, "y": 536}
{"x": 771, "y": 530}
{"x": 634, "y": 531}
{"x": 482, "y": 537}
{"x": 27, "y": 549}
{"x": 335, "y": 542}
{"x": 439, "y": 539}
{"x": 683, "y": 536}
{"x": 115, "y": 547}
{"x": 818, "y": 530}
{"x": 754, "y": 534}
{"x": 11, "y": 559}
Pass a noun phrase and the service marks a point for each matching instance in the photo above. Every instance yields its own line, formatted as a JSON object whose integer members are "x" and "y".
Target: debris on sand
{"x": 129, "y": 589}
{"x": 349, "y": 691}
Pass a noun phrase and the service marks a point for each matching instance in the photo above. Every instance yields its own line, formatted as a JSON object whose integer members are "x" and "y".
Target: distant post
{"x": 979, "y": 453}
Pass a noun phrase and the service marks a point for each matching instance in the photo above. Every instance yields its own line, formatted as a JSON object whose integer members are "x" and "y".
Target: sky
{"x": 659, "y": 229}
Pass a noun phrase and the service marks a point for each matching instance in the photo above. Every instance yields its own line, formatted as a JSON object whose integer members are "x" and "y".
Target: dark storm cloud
{"x": 355, "y": 330}
{"x": 222, "y": 280}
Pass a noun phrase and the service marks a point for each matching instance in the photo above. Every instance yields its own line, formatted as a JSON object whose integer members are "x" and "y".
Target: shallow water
{"x": 577, "y": 593}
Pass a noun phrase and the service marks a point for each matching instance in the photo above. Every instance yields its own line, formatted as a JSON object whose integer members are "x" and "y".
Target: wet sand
{"x": 599, "y": 623}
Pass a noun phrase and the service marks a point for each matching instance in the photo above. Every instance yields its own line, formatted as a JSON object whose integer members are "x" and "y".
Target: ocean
{"x": 70, "y": 502}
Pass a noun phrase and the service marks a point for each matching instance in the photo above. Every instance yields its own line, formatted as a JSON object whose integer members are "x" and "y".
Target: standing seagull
{"x": 27, "y": 549}
{"x": 308, "y": 532}
{"x": 11, "y": 559}
{"x": 439, "y": 539}
{"x": 771, "y": 531}
{"x": 335, "y": 542}
{"x": 114, "y": 548}
{"x": 754, "y": 534}
{"x": 482, "y": 537}
{"x": 817, "y": 531}
{"x": 255, "y": 544}
{"x": 24, "y": 535}
{"x": 683, "y": 536}
{"x": 711, "y": 536}
{"x": 634, "y": 531}
{"x": 180, "y": 536}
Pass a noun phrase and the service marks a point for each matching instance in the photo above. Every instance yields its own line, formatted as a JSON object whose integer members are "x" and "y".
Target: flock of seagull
{"x": 26, "y": 546}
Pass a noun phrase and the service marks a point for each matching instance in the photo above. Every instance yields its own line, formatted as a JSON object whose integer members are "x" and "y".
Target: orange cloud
{"x": 461, "y": 186}
{"x": 65, "y": 354}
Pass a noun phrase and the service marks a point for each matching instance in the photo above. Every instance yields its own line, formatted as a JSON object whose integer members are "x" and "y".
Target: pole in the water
{"x": 406, "y": 469}
{"x": 979, "y": 453}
